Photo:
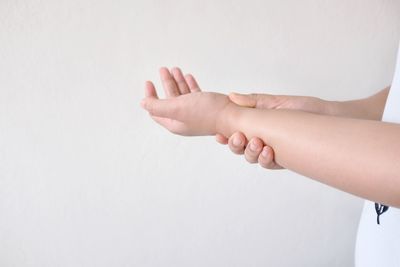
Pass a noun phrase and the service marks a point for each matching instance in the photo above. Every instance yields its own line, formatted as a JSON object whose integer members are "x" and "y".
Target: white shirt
{"x": 379, "y": 245}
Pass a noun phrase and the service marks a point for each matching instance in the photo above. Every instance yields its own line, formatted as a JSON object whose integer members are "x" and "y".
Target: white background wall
{"x": 87, "y": 179}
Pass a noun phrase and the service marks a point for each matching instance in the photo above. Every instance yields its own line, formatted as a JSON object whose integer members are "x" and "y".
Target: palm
{"x": 190, "y": 114}
{"x": 174, "y": 84}
{"x": 187, "y": 110}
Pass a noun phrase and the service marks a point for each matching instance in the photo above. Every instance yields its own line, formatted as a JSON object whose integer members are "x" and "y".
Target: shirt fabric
{"x": 379, "y": 245}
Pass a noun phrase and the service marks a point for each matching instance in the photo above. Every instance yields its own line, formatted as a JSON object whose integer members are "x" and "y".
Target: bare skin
{"x": 370, "y": 108}
{"x": 356, "y": 155}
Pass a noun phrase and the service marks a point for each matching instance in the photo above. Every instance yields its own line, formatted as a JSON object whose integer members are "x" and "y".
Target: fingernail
{"x": 237, "y": 142}
{"x": 264, "y": 153}
{"x": 253, "y": 146}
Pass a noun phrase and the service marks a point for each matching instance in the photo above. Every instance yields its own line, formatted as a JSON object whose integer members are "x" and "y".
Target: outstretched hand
{"x": 197, "y": 113}
{"x": 174, "y": 84}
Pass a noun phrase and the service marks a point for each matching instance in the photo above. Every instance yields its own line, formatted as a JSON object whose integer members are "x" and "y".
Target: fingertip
{"x": 265, "y": 152}
{"x": 267, "y": 159}
{"x": 150, "y": 90}
{"x": 164, "y": 73}
{"x": 237, "y": 150}
{"x": 175, "y": 68}
{"x": 264, "y": 158}
{"x": 177, "y": 73}
{"x": 221, "y": 139}
{"x": 162, "y": 69}
{"x": 237, "y": 140}
{"x": 257, "y": 141}
{"x": 237, "y": 143}
{"x": 148, "y": 84}
{"x": 191, "y": 81}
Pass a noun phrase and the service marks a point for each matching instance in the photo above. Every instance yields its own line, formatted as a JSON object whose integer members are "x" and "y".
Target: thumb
{"x": 166, "y": 108}
{"x": 249, "y": 101}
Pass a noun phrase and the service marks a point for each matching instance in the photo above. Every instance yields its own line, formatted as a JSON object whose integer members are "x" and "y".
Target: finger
{"x": 237, "y": 143}
{"x": 180, "y": 81}
{"x": 167, "y": 108}
{"x": 244, "y": 100}
{"x": 256, "y": 100}
{"x": 253, "y": 150}
{"x": 191, "y": 81}
{"x": 266, "y": 159}
{"x": 150, "y": 90}
{"x": 169, "y": 84}
{"x": 221, "y": 139}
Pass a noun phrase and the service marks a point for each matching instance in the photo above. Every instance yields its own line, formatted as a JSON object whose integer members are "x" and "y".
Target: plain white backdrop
{"x": 87, "y": 179}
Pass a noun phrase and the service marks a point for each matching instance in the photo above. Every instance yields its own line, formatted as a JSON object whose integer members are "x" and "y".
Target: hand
{"x": 255, "y": 150}
{"x": 174, "y": 84}
{"x": 197, "y": 113}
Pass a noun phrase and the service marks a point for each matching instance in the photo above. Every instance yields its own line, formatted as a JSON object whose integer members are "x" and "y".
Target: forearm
{"x": 357, "y": 156}
{"x": 370, "y": 108}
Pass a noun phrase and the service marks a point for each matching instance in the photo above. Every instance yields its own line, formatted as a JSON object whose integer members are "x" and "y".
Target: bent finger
{"x": 237, "y": 143}
{"x": 266, "y": 159}
{"x": 221, "y": 139}
{"x": 253, "y": 150}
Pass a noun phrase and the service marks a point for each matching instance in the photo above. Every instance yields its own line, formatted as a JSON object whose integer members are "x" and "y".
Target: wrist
{"x": 225, "y": 120}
